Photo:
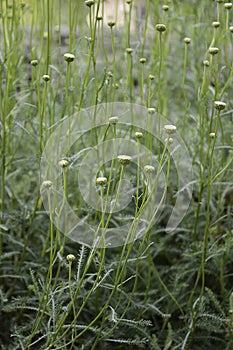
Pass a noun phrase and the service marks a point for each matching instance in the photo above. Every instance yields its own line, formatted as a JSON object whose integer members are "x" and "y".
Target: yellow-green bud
{"x": 69, "y": 57}
{"x": 124, "y": 159}
{"x": 46, "y": 77}
{"x": 219, "y": 105}
{"x": 160, "y": 27}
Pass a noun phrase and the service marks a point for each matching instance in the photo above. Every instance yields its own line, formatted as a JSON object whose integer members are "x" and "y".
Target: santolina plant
{"x": 119, "y": 115}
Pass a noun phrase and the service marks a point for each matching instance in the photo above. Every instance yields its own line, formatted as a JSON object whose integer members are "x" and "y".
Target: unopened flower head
{"x": 142, "y": 60}
{"x": 101, "y": 180}
{"x": 69, "y": 57}
{"x": 129, "y": 50}
{"x": 206, "y": 63}
{"x": 47, "y": 184}
{"x": 89, "y": 3}
{"x": 113, "y": 120}
{"x": 46, "y": 77}
{"x": 149, "y": 169}
{"x": 151, "y": 76}
{"x": 63, "y": 163}
{"x": 99, "y": 18}
{"x": 160, "y": 27}
{"x": 111, "y": 24}
{"x": 231, "y": 29}
{"x": 124, "y": 159}
{"x": 219, "y": 105}
{"x": 151, "y": 110}
{"x": 228, "y": 5}
{"x": 169, "y": 140}
{"x": 165, "y": 7}
{"x": 115, "y": 86}
{"x": 212, "y": 135}
{"x": 187, "y": 40}
{"x": 170, "y": 129}
{"x": 215, "y": 24}
{"x": 213, "y": 50}
{"x": 128, "y": 2}
{"x": 138, "y": 134}
{"x": 34, "y": 63}
{"x": 70, "y": 257}
{"x": 110, "y": 74}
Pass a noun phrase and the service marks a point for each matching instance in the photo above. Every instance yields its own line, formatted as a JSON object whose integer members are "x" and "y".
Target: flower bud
{"x": 138, "y": 135}
{"x": 101, "y": 180}
{"x": 142, "y": 60}
{"x": 111, "y": 24}
{"x": 124, "y": 159}
{"x": 70, "y": 257}
{"x": 187, "y": 40}
{"x": 34, "y": 63}
{"x": 219, "y": 105}
{"x": 63, "y": 163}
{"x": 213, "y": 50}
{"x": 149, "y": 169}
{"x": 170, "y": 129}
{"x": 113, "y": 120}
{"x": 89, "y": 3}
{"x": 215, "y": 24}
{"x": 228, "y": 5}
{"x": 69, "y": 57}
{"x": 165, "y": 7}
{"x": 46, "y": 77}
{"x": 160, "y": 27}
{"x": 47, "y": 184}
{"x": 206, "y": 63}
{"x": 129, "y": 50}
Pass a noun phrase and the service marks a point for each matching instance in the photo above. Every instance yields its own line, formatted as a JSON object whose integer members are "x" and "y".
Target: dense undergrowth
{"x": 166, "y": 290}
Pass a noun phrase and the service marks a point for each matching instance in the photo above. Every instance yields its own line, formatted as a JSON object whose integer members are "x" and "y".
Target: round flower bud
{"x": 63, "y": 163}
{"x": 219, "y": 105}
{"x": 101, "y": 180}
{"x": 165, "y": 7}
{"x": 215, "y": 24}
{"x": 110, "y": 75}
{"x": 151, "y": 76}
{"x": 113, "y": 120}
{"x": 115, "y": 86}
{"x": 228, "y": 5}
{"x": 160, "y": 27}
{"x": 34, "y": 63}
{"x": 187, "y": 40}
{"x": 69, "y": 57}
{"x": 142, "y": 60}
{"x": 231, "y": 29}
{"x": 47, "y": 184}
{"x": 128, "y": 2}
{"x": 124, "y": 159}
{"x": 138, "y": 135}
{"x": 99, "y": 18}
{"x": 89, "y": 3}
{"x": 169, "y": 140}
{"x": 149, "y": 169}
{"x": 151, "y": 110}
{"x": 111, "y": 24}
{"x": 212, "y": 135}
{"x": 170, "y": 129}
{"x": 46, "y": 77}
{"x": 206, "y": 63}
{"x": 129, "y": 50}
{"x": 70, "y": 257}
{"x": 213, "y": 50}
